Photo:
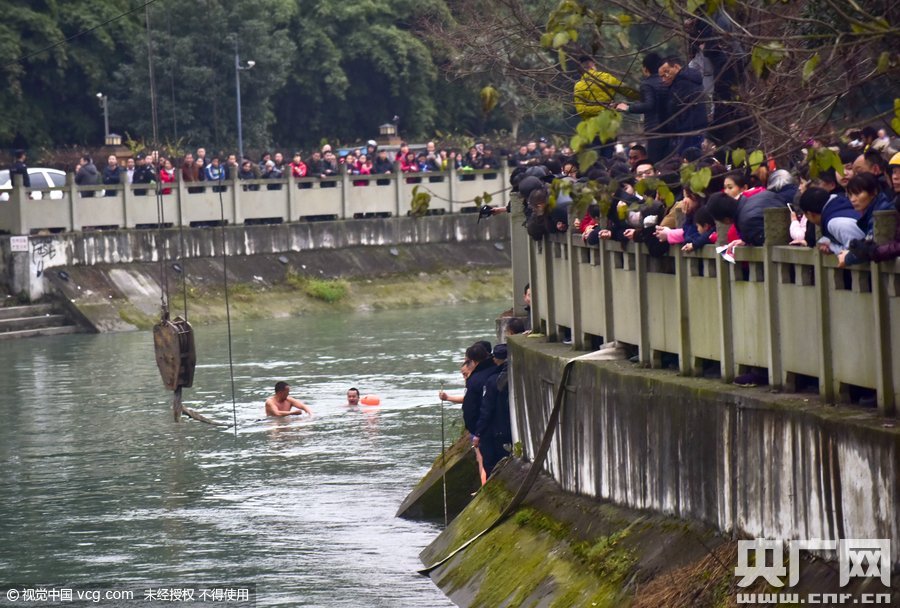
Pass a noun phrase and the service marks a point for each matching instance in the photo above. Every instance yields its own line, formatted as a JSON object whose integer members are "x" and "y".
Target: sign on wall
{"x": 18, "y": 243}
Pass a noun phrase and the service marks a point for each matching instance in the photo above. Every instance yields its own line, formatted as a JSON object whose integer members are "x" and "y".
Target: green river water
{"x": 101, "y": 490}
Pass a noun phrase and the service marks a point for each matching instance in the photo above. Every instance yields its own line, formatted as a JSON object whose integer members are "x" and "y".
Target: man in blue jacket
{"x": 493, "y": 429}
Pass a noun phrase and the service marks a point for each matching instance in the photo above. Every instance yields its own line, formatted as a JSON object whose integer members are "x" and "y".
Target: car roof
{"x": 4, "y": 173}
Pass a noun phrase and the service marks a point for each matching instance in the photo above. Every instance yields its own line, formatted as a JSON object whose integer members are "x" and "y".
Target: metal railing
{"x": 344, "y": 196}
{"x": 789, "y": 310}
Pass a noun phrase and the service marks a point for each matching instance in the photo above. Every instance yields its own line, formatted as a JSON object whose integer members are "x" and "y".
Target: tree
{"x": 357, "y": 65}
{"x": 193, "y": 49}
{"x": 44, "y": 74}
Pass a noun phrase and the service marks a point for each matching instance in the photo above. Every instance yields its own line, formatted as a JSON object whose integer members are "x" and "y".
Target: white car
{"x": 41, "y": 180}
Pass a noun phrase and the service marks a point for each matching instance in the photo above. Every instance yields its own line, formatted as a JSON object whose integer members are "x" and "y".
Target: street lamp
{"x": 237, "y": 87}
{"x": 110, "y": 139}
{"x": 103, "y": 104}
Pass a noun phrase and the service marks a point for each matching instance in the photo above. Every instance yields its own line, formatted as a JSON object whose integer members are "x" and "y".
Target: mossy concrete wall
{"x": 563, "y": 551}
{"x": 744, "y": 461}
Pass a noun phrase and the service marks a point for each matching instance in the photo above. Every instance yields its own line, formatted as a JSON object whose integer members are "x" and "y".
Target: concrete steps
{"x": 34, "y": 320}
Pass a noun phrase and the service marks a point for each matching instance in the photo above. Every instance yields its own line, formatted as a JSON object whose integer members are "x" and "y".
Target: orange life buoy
{"x": 370, "y": 400}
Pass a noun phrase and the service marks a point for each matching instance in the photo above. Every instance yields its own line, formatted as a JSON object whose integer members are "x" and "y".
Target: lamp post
{"x": 103, "y": 104}
{"x": 237, "y": 87}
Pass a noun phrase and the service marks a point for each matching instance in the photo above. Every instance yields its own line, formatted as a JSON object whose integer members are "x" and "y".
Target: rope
{"x": 227, "y": 308}
{"x": 443, "y": 458}
{"x": 532, "y": 473}
{"x": 160, "y": 210}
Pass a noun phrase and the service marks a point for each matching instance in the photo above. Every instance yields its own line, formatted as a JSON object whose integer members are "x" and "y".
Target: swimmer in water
{"x": 280, "y": 404}
{"x": 353, "y": 397}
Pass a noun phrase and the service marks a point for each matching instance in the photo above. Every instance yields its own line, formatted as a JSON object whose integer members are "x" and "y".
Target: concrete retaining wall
{"x": 26, "y": 271}
{"x": 741, "y": 460}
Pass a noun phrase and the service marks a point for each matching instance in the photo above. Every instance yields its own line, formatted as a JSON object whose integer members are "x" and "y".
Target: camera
{"x": 485, "y": 211}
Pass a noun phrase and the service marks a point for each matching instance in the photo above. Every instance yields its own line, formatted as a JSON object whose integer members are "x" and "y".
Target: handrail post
{"x": 452, "y": 185}
{"x": 127, "y": 199}
{"x": 398, "y": 187}
{"x": 345, "y": 189}
{"x": 292, "y": 196}
{"x": 519, "y": 251}
{"x": 640, "y": 270}
{"x": 777, "y": 227}
{"x": 575, "y": 285}
{"x": 18, "y": 200}
{"x": 683, "y": 304}
{"x": 726, "y": 321}
{"x": 609, "y": 328}
{"x": 179, "y": 196}
{"x": 823, "y": 310}
{"x": 237, "y": 208}
{"x": 885, "y": 226}
{"x": 72, "y": 190}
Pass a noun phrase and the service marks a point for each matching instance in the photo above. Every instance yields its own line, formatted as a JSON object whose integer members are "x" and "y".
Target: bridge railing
{"x": 344, "y": 196}
{"x": 788, "y": 310}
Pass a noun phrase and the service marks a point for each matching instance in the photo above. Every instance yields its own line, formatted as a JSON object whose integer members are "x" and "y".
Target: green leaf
{"x": 810, "y": 66}
{"x": 693, "y": 5}
{"x": 622, "y": 37}
{"x": 667, "y": 196}
{"x": 884, "y": 63}
{"x": 560, "y": 39}
{"x": 573, "y": 35}
{"x": 625, "y": 20}
{"x": 546, "y": 39}
{"x": 700, "y": 180}
{"x": 489, "y": 99}
{"x": 487, "y": 198}
{"x": 757, "y": 62}
{"x": 738, "y": 157}
{"x": 757, "y": 157}
{"x": 895, "y": 125}
{"x": 586, "y": 159}
{"x": 576, "y": 143}
{"x": 561, "y": 55}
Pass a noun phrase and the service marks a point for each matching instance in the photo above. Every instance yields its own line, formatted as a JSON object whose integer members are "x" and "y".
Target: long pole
{"x": 237, "y": 87}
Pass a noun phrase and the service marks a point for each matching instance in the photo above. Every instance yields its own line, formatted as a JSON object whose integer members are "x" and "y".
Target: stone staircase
{"x": 34, "y": 320}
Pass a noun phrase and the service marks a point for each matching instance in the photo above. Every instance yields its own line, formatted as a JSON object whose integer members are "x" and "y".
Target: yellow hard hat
{"x": 895, "y": 160}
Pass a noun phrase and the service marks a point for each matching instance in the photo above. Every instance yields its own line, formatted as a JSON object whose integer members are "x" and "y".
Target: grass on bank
{"x": 300, "y": 294}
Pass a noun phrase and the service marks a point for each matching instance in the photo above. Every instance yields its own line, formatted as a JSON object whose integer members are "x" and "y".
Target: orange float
{"x": 370, "y": 400}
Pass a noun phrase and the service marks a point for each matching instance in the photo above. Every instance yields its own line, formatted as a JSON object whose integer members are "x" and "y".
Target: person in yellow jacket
{"x": 595, "y": 91}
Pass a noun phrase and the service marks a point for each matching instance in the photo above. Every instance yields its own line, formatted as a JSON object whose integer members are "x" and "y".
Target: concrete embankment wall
{"x": 25, "y": 271}
{"x": 745, "y": 461}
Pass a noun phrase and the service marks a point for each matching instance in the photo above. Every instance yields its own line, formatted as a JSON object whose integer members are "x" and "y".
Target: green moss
{"x": 330, "y": 291}
{"x": 608, "y": 557}
{"x": 130, "y": 314}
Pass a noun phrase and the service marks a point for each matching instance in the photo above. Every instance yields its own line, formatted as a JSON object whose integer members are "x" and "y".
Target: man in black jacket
{"x": 654, "y": 105}
{"x": 112, "y": 174}
{"x": 87, "y": 175}
{"x": 687, "y": 110}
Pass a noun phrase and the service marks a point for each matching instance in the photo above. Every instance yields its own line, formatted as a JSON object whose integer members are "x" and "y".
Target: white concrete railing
{"x": 787, "y": 309}
{"x": 244, "y": 201}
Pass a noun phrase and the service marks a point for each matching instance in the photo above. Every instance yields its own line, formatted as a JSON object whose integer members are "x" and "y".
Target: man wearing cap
{"x": 493, "y": 429}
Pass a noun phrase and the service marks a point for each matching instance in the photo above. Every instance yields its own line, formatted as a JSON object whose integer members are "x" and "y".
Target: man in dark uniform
{"x": 494, "y": 429}
{"x": 20, "y": 168}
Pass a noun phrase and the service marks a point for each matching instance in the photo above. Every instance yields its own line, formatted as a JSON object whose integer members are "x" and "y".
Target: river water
{"x": 101, "y": 489}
